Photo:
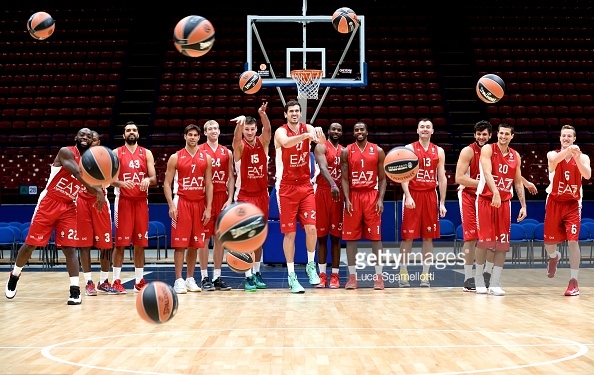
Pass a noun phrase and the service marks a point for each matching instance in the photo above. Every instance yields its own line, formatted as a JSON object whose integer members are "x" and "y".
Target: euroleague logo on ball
{"x": 393, "y": 168}
{"x": 249, "y": 229}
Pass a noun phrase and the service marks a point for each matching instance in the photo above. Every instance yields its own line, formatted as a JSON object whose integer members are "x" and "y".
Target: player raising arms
{"x": 250, "y": 153}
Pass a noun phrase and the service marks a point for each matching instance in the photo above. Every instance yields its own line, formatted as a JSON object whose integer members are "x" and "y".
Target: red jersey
{"x": 333, "y": 161}
{"x": 295, "y": 168}
{"x": 220, "y": 166}
{"x": 188, "y": 181}
{"x": 426, "y": 178}
{"x": 363, "y": 166}
{"x": 252, "y": 169}
{"x": 566, "y": 181}
{"x": 133, "y": 167}
{"x": 474, "y": 171}
{"x": 61, "y": 184}
{"x": 503, "y": 171}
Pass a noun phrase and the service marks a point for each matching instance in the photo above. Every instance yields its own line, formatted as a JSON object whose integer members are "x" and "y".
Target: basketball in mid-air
{"x": 156, "y": 302}
{"x": 344, "y": 20}
{"x": 490, "y": 88}
{"x": 250, "y": 82}
{"x": 41, "y": 25}
{"x": 193, "y": 36}
{"x": 242, "y": 227}
{"x": 401, "y": 164}
{"x": 240, "y": 262}
{"x": 99, "y": 166}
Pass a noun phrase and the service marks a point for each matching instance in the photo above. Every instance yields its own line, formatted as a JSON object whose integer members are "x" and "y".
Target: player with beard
{"x": 56, "y": 210}
{"x": 329, "y": 203}
{"x": 467, "y": 176}
{"x": 131, "y": 213}
{"x": 94, "y": 229}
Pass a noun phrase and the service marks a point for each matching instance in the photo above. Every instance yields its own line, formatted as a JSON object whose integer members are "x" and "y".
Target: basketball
{"x": 240, "y": 262}
{"x": 99, "y": 166}
{"x": 156, "y": 302}
{"x": 490, "y": 88}
{"x": 41, "y": 25}
{"x": 242, "y": 227}
{"x": 193, "y": 36}
{"x": 401, "y": 164}
{"x": 250, "y": 82}
{"x": 344, "y": 20}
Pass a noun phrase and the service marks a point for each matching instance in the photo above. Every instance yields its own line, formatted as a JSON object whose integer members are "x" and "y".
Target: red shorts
{"x": 467, "y": 204}
{"x": 218, "y": 200}
{"x": 562, "y": 221}
{"x": 493, "y": 224}
{"x": 131, "y": 218}
{"x": 296, "y": 202}
{"x": 53, "y": 214}
{"x": 188, "y": 230}
{"x": 261, "y": 201}
{"x": 364, "y": 222}
{"x": 423, "y": 220}
{"x": 94, "y": 227}
{"x": 328, "y": 213}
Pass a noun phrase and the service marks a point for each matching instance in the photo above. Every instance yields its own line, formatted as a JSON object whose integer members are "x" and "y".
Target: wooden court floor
{"x": 534, "y": 329}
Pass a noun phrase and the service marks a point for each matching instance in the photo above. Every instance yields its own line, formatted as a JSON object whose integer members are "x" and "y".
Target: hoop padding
{"x": 308, "y": 82}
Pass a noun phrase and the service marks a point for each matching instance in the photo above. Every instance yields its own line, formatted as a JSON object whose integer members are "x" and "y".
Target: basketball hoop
{"x": 308, "y": 82}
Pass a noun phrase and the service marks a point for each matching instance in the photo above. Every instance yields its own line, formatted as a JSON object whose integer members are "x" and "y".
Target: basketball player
{"x": 500, "y": 173}
{"x": 190, "y": 172}
{"x": 467, "y": 176}
{"x": 223, "y": 184}
{"x": 567, "y": 167}
{"x": 250, "y": 153}
{"x": 295, "y": 191}
{"x": 131, "y": 215}
{"x": 329, "y": 203}
{"x": 56, "y": 211}
{"x": 94, "y": 229}
{"x": 364, "y": 185}
{"x": 420, "y": 210}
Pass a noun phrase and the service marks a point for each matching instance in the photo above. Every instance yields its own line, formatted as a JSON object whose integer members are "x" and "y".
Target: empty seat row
{"x": 534, "y": 63}
{"x": 72, "y": 77}
{"x": 53, "y": 56}
{"x": 28, "y": 101}
{"x": 11, "y": 113}
{"x": 547, "y": 98}
{"x": 521, "y": 75}
{"x": 87, "y": 67}
{"x": 538, "y": 109}
{"x": 46, "y": 89}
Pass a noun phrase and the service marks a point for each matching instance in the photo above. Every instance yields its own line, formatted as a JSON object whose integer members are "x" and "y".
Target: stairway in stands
{"x": 140, "y": 74}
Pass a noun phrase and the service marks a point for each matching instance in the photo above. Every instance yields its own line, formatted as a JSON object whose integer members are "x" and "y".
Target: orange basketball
{"x": 401, "y": 164}
{"x": 193, "y": 36}
{"x": 344, "y": 20}
{"x": 41, "y": 25}
{"x": 242, "y": 227}
{"x": 156, "y": 302}
{"x": 490, "y": 88}
{"x": 99, "y": 166}
{"x": 240, "y": 262}
{"x": 250, "y": 82}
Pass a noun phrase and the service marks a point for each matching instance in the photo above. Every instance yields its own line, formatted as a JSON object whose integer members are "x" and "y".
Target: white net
{"x": 308, "y": 82}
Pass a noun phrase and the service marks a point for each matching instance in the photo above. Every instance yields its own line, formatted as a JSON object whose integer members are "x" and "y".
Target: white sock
{"x": 139, "y": 273}
{"x": 496, "y": 275}
{"x": 103, "y": 276}
{"x": 426, "y": 267}
{"x": 87, "y": 276}
{"x": 574, "y": 273}
{"x": 479, "y": 271}
{"x": 378, "y": 270}
{"x": 216, "y": 274}
{"x": 248, "y": 273}
{"x": 256, "y": 267}
{"x": 311, "y": 256}
{"x": 488, "y": 267}
{"x": 335, "y": 270}
{"x": 16, "y": 271}
{"x": 556, "y": 254}
{"x": 203, "y": 273}
{"x": 404, "y": 267}
{"x": 467, "y": 272}
{"x": 74, "y": 280}
{"x": 353, "y": 270}
{"x": 291, "y": 267}
{"x": 116, "y": 273}
{"x": 322, "y": 267}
